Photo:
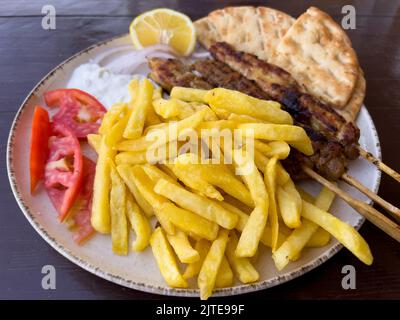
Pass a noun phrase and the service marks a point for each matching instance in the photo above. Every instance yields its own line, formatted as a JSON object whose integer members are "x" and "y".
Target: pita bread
{"x": 318, "y": 54}
{"x": 353, "y": 106}
{"x": 255, "y": 30}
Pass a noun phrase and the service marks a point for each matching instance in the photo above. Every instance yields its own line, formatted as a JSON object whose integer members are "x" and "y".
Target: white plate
{"x": 139, "y": 270}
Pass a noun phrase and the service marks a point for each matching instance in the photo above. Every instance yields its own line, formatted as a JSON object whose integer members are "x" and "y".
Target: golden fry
{"x": 252, "y": 231}
{"x": 182, "y": 247}
{"x": 188, "y": 94}
{"x": 202, "y": 246}
{"x": 294, "y": 135}
{"x": 190, "y": 222}
{"x": 225, "y": 274}
{"x": 119, "y": 223}
{"x": 94, "y": 141}
{"x": 196, "y": 203}
{"x": 343, "y": 232}
{"x": 270, "y": 183}
{"x": 135, "y": 175}
{"x": 135, "y": 125}
{"x": 139, "y": 224}
{"x": 166, "y": 262}
{"x": 212, "y": 262}
{"x": 240, "y": 103}
{"x": 243, "y": 268}
{"x": 100, "y": 218}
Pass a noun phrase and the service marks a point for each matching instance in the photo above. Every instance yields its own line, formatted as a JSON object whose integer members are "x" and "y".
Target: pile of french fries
{"x": 210, "y": 216}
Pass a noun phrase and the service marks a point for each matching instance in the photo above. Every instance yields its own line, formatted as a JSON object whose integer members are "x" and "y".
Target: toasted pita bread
{"x": 318, "y": 54}
{"x": 255, "y": 30}
{"x": 353, "y": 106}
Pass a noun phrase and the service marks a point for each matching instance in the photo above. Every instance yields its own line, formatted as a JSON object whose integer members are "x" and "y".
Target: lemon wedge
{"x": 164, "y": 26}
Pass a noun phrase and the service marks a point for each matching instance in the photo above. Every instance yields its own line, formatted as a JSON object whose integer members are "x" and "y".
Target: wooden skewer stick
{"x": 393, "y": 210}
{"x": 367, "y": 155}
{"x": 373, "y": 215}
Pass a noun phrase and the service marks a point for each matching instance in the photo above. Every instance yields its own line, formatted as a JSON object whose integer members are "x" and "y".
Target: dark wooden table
{"x": 27, "y": 53}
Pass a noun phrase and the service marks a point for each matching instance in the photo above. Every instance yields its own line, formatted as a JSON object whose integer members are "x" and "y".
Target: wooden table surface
{"x": 27, "y": 53}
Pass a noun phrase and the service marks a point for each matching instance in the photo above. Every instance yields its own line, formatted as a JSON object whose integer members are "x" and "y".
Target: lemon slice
{"x": 164, "y": 26}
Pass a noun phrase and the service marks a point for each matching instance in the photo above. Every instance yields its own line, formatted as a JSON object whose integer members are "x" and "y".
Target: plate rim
{"x": 161, "y": 290}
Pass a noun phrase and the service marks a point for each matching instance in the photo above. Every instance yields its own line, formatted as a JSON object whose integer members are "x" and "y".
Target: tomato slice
{"x": 63, "y": 170}
{"x": 83, "y": 207}
{"x": 40, "y": 134}
{"x": 79, "y": 111}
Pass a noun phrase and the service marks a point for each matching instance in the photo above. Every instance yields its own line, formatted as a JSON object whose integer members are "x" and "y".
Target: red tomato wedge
{"x": 82, "y": 210}
{"x": 40, "y": 134}
{"x": 79, "y": 111}
{"x": 63, "y": 170}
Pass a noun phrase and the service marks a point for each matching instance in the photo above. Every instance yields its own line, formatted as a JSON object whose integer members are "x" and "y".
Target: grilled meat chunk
{"x": 219, "y": 74}
{"x": 172, "y": 72}
{"x": 280, "y": 86}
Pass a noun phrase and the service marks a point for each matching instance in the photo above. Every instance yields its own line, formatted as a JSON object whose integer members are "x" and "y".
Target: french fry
{"x": 242, "y": 118}
{"x": 172, "y": 108}
{"x": 139, "y": 224}
{"x": 210, "y": 114}
{"x": 294, "y": 135}
{"x": 94, "y": 141}
{"x": 157, "y": 93}
{"x": 238, "y": 204}
{"x": 114, "y": 135}
{"x": 195, "y": 182}
{"x": 293, "y": 245}
{"x": 135, "y": 125}
{"x": 119, "y": 223}
{"x": 218, "y": 125}
{"x": 165, "y": 259}
{"x": 270, "y": 183}
{"x": 133, "y": 87}
{"x": 262, "y": 147}
{"x": 290, "y": 188}
{"x": 252, "y": 231}
{"x": 156, "y": 174}
{"x": 240, "y": 103}
{"x": 324, "y": 200}
{"x": 182, "y": 247}
{"x": 196, "y": 203}
{"x": 225, "y": 274}
{"x": 188, "y": 94}
{"x": 111, "y": 117}
{"x": 320, "y": 238}
{"x": 202, "y": 246}
{"x": 131, "y": 157}
{"x": 305, "y": 235}
{"x": 279, "y": 149}
{"x": 141, "y": 201}
{"x": 190, "y": 222}
{"x": 172, "y": 132}
{"x": 100, "y": 218}
{"x": 288, "y": 208}
{"x": 343, "y": 232}
{"x": 266, "y": 237}
{"x": 242, "y": 267}
{"x": 212, "y": 262}
{"x": 152, "y": 117}
{"x": 218, "y": 175}
{"x": 261, "y": 162}
{"x": 135, "y": 175}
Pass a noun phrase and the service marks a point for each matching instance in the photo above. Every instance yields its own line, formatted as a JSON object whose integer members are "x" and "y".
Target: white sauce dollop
{"x": 102, "y": 83}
